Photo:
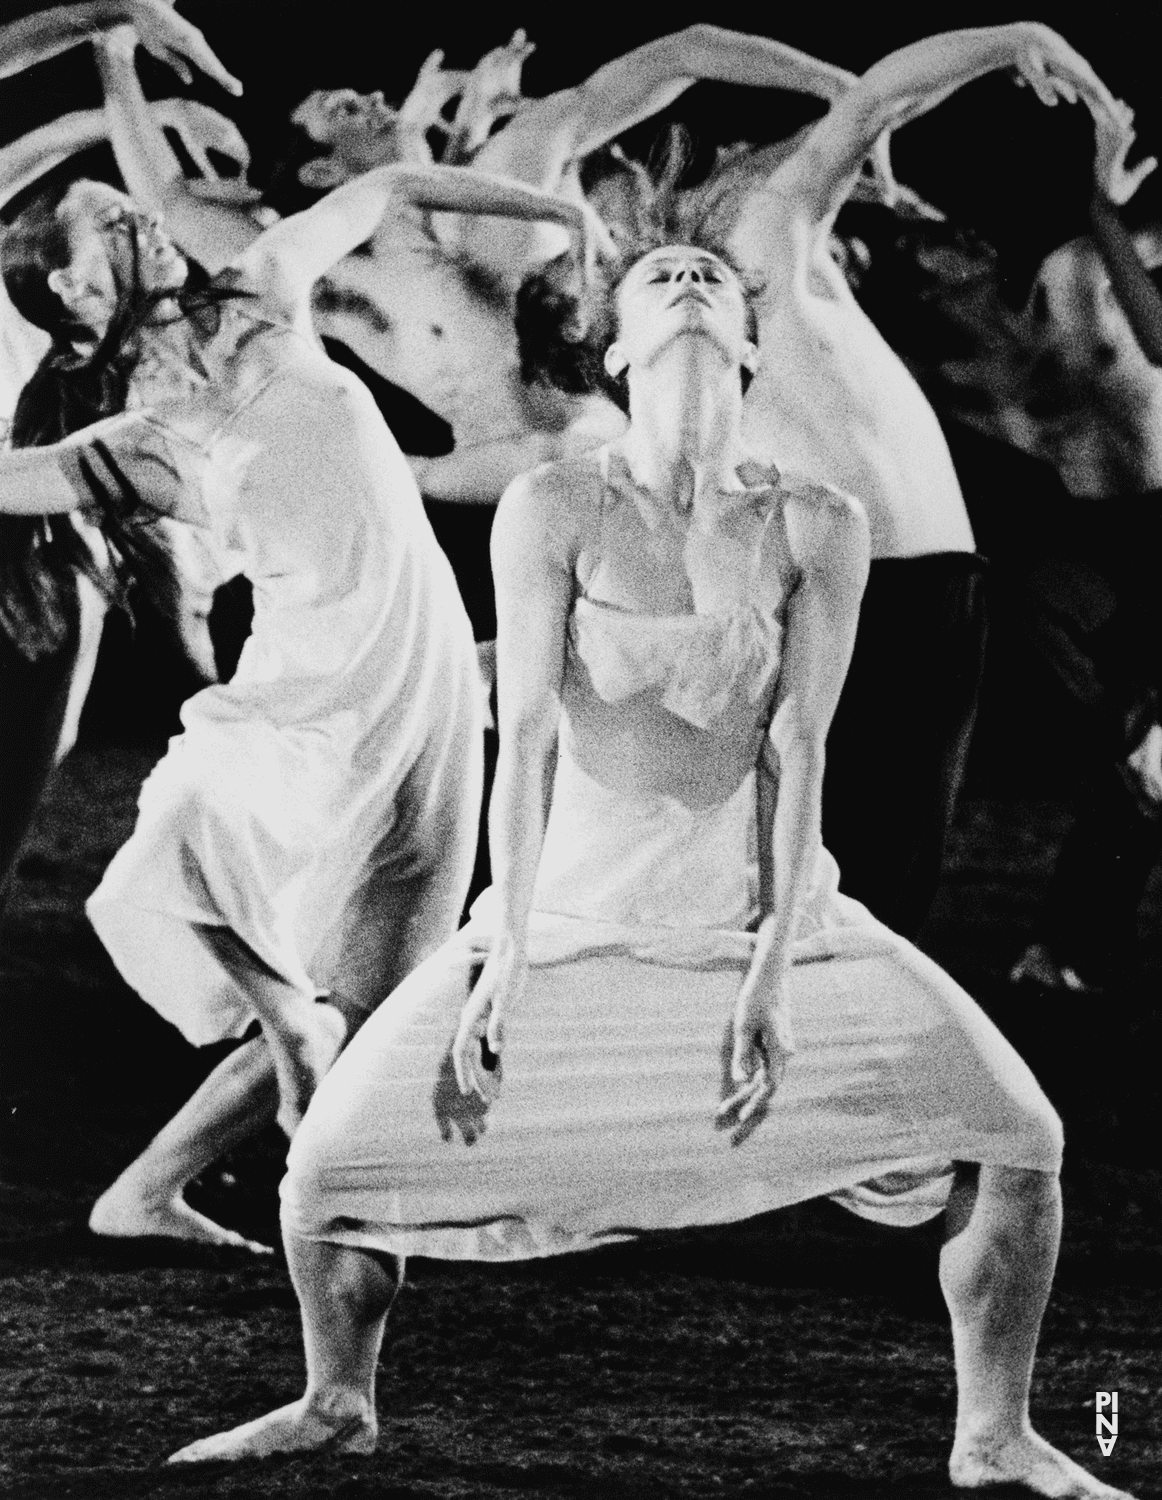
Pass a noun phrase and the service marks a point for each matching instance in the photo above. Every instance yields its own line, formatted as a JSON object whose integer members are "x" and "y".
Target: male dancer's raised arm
{"x": 546, "y": 136}
{"x": 817, "y": 179}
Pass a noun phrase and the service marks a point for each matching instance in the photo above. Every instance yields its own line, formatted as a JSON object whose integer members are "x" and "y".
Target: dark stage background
{"x": 802, "y": 1355}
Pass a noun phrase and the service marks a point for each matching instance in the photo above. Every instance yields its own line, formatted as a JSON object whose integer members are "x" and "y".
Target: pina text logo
{"x": 1107, "y": 1425}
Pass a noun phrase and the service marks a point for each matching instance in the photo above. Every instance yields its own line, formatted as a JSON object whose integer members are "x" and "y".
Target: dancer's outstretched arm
{"x": 546, "y": 136}
{"x": 30, "y": 157}
{"x": 47, "y": 481}
{"x": 47, "y": 33}
{"x": 831, "y": 545}
{"x": 814, "y": 183}
{"x": 535, "y": 542}
{"x": 212, "y": 233}
{"x": 23, "y": 161}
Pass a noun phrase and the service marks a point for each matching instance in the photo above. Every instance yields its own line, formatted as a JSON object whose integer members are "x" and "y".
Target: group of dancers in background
{"x": 731, "y": 535}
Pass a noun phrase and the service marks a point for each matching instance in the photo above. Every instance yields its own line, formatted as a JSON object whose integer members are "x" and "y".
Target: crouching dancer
{"x": 675, "y": 625}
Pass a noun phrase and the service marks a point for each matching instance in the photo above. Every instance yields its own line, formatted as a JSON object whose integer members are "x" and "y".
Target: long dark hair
{"x": 40, "y": 559}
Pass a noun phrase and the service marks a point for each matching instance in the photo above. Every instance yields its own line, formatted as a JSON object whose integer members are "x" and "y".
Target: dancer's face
{"x": 112, "y": 242}
{"x": 680, "y": 292}
{"x": 359, "y": 131}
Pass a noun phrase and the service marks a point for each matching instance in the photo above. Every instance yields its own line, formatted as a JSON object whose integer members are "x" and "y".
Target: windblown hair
{"x": 39, "y": 560}
{"x": 564, "y": 322}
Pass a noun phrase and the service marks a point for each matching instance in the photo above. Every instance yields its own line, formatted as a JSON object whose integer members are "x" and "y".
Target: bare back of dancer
{"x": 831, "y": 398}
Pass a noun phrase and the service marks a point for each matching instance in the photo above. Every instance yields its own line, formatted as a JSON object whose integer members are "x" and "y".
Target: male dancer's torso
{"x": 833, "y": 401}
{"x": 432, "y": 323}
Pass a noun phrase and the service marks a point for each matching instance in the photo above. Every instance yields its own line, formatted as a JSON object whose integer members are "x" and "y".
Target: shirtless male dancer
{"x": 832, "y": 400}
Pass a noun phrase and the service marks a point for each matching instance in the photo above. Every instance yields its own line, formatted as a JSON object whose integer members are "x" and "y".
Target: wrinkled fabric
{"x": 346, "y": 732}
{"x": 603, "y": 1120}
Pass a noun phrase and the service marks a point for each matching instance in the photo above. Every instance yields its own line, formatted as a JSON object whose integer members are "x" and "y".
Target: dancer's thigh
{"x": 346, "y": 1120}
{"x": 413, "y": 897}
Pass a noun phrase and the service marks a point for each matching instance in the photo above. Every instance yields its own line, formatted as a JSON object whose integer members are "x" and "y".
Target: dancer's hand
{"x": 1053, "y": 70}
{"x": 499, "y": 987}
{"x": 202, "y": 130}
{"x": 1112, "y": 142}
{"x": 494, "y": 85}
{"x": 176, "y": 43}
{"x": 435, "y": 88}
{"x": 763, "y": 1042}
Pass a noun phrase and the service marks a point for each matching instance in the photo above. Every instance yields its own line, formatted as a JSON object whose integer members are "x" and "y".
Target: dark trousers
{"x": 898, "y": 745}
{"x": 1091, "y": 906}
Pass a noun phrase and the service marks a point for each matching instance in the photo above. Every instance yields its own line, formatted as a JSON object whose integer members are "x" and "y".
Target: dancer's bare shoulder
{"x": 827, "y": 528}
{"x": 552, "y": 508}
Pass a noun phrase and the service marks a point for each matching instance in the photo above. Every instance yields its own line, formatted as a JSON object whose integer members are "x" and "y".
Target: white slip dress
{"x": 602, "y": 1121}
{"x": 352, "y": 722}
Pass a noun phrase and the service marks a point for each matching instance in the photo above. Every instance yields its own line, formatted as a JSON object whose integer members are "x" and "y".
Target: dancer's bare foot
{"x": 1025, "y": 1459}
{"x": 123, "y": 1211}
{"x": 302, "y": 1057}
{"x": 347, "y": 1426}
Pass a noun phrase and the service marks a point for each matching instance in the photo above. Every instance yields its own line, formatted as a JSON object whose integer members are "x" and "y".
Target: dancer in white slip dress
{"x": 313, "y": 829}
{"x": 639, "y": 1029}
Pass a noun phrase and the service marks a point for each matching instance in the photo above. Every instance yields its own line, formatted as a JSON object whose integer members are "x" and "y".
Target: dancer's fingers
{"x": 495, "y": 1030}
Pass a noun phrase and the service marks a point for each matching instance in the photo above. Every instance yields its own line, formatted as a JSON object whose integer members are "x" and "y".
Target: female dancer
{"x": 55, "y": 581}
{"x": 679, "y": 1020}
{"x": 839, "y": 405}
{"x": 312, "y": 830}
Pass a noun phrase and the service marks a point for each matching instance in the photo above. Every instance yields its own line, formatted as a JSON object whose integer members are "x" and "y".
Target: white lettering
{"x": 1106, "y": 1400}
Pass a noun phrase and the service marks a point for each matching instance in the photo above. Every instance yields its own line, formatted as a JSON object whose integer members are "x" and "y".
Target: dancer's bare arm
{"x": 292, "y": 255}
{"x": 491, "y": 92}
{"x": 814, "y": 183}
{"x": 213, "y": 233}
{"x": 47, "y": 33}
{"x": 535, "y": 541}
{"x": 24, "y": 160}
{"x": 538, "y": 144}
{"x": 830, "y": 539}
{"x": 48, "y": 481}
{"x": 476, "y": 473}
{"x": 547, "y": 136}
{"x": 423, "y": 109}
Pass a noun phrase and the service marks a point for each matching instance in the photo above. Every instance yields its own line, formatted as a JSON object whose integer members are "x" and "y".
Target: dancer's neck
{"x": 684, "y": 437}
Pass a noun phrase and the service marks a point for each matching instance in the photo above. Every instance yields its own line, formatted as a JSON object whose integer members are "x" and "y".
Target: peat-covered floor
{"x": 802, "y": 1354}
